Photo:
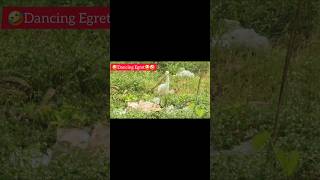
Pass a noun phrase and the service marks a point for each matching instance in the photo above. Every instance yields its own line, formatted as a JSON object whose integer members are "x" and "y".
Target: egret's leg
{"x": 161, "y": 101}
{"x": 165, "y": 101}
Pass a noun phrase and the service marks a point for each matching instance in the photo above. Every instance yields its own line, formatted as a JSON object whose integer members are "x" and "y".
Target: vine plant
{"x": 288, "y": 160}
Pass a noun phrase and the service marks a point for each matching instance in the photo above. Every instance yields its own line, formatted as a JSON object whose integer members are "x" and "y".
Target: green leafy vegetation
{"x": 260, "y": 140}
{"x": 288, "y": 161}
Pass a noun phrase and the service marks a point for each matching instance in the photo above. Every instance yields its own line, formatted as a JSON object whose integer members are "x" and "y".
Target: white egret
{"x": 164, "y": 89}
{"x": 184, "y": 73}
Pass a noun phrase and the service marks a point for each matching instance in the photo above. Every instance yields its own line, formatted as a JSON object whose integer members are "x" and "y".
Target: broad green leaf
{"x": 294, "y": 157}
{"x": 260, "y": 140}
{"x": 200, "y": 112}
{"x": 288, "y": 160}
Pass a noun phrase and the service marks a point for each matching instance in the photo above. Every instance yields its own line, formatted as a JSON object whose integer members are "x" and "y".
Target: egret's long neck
{"x": 167, "y": 80}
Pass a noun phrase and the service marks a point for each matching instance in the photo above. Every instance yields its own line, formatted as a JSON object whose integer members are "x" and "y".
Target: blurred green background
{"x": 51, "y": 79}
{"x": 247, "y": 89}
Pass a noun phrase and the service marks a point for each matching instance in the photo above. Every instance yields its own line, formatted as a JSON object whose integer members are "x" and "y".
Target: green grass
{"x": 136, "y": 86}
{"x": 77, "y": 165}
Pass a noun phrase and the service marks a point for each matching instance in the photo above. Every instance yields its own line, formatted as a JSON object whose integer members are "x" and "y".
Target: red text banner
{"x": 55, "y": 18}
{"x": 133, "y": 67}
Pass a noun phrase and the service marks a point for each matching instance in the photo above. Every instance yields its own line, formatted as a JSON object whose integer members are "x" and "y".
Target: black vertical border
{"x": 160, "y": 148}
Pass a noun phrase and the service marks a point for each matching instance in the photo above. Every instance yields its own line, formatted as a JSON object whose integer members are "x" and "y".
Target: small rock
{"x": 33, "y": 157}
{"x": 119, "y": 111}
{"x": 144, "y": 106}
{"x": 170, "y": 109}
{"x": 245, "y": 148}
{"x": 41, "y": 159}
{"x": 156, "y": 100}
{"x": 100, "y": 138}
{"x": 74, "y": 137}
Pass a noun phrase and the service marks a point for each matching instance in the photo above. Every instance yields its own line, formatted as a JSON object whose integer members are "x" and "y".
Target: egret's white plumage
{"x": 164, "y": 89}
{"x": 184, "y": 73}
